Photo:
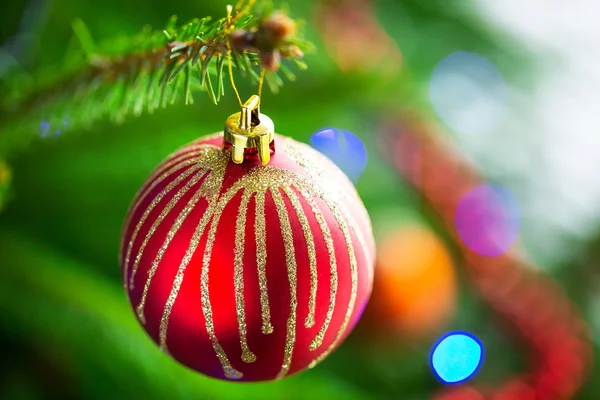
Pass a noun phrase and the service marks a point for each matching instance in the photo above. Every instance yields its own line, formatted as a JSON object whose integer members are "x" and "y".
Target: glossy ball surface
{"x": 247, "y": 272}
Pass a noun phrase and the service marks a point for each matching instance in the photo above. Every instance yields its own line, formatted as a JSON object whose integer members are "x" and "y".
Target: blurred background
{"x": 479, "y": 119}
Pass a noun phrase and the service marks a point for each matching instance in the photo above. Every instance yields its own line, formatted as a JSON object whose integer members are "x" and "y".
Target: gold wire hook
{"x": 229, "y": 50}
{"x": 260, "y": 82}
{"x": 230, "y": 22}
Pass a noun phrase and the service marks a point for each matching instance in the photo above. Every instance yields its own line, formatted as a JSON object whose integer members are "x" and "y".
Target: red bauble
{"x": 247, "y": 271}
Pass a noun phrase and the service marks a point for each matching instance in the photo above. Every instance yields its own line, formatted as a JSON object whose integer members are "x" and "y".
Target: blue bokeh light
{"x": 344, "y": 148}
{"x": 468, "y": 93}
{"x": 44, "y": 129}
{"x": 487, "y": 220}
{"x": 456, "y": 357}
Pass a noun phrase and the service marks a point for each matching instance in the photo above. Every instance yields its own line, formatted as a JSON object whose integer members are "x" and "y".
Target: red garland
{"x": 543, "y": 316}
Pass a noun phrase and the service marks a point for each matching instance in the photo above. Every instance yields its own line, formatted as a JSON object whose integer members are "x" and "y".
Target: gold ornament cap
{"x": 249, "y": 129}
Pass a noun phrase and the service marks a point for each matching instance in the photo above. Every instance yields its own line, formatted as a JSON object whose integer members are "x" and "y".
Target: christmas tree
{"x": 95, "y": 96}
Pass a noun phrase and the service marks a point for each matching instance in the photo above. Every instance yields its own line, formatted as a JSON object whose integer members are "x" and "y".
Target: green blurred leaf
{"x": 53, "y": 299}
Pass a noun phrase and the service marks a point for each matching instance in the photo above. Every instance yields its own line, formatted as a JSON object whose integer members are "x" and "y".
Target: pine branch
{"x": 151, "y": 70}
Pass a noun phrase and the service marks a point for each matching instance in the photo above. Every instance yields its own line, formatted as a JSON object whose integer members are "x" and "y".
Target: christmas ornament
{"x": 247, "y": 255}
{"x": 415, "y": 287}
{"x": 344, "y": 148}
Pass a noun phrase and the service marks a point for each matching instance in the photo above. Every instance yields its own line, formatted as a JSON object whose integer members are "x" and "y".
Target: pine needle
{"x": 130, "y": 76}
{"x": 85, "y": 38}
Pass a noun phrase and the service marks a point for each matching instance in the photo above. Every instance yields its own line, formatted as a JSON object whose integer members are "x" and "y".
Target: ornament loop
{"x": 249, "y": 129}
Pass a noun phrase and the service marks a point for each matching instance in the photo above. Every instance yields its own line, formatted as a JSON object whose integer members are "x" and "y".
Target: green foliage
{"x": 5, "y": 178}
{"x": 65, "y": 317}
{"x": 142, "y": 73}
{"x": 92, "y": 313}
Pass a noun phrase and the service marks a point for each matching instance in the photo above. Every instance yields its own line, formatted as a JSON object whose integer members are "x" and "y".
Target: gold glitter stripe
{"x": 163, "y": 214}
{"x": 261, "y": 261}
{"x": 140, "y": 198}
{"x": 361, "y": 238}
{"x": 310, "y": 161}
{"x": 312, "y": 254}
{"x": 356, "y": 201}
{"x": 176, "y": 158}
{"x": 238, "y": 276}
{"x": 360, "y": 207}
{"x": 217, "y": 162}
{"x": 211, "y": 136}
{"x": 186, "y": 151}
{"x": 195, "y": 145}
{"x": 172, "y": 231}
{"x": 363, "y": 244}
{"x": 290, "y": 260}
{"x": 362, "y": 210}
{"x": 313, "y": 163}
{"x": 164, "y": 322}
{"x": 318, "y": 339}
{"x": 229, "y": 371}
{"x": 354, "y": 272}
{"x": 155, "y": 178}
{"x": 153, "y": 204}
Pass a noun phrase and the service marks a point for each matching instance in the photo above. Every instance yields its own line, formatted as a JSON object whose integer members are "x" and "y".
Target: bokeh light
{"x": 456, "y": 357}
{"x": 44, "y": 129}
{"x": 487, "y": 219}
{"x": 351, "y": 29}
{"x": 468, "y": 93}
{"x": 415, "y": 290}
{"x": 344, "y": 148}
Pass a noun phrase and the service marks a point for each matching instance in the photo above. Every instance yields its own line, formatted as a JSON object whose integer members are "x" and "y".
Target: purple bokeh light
{"x": 487, "y": 220}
